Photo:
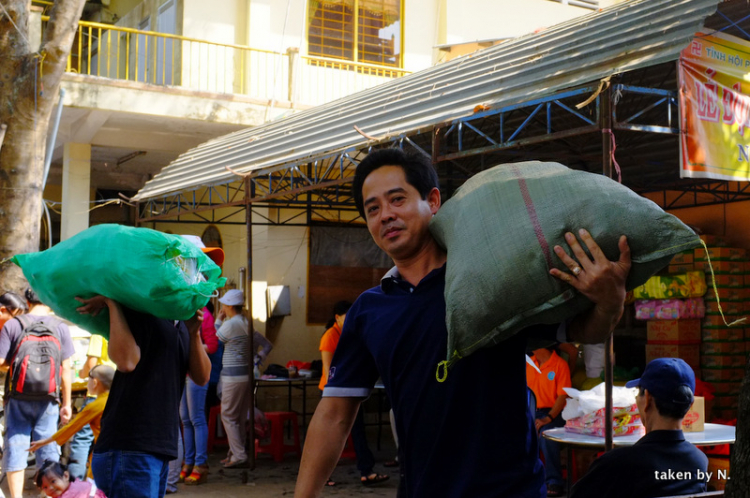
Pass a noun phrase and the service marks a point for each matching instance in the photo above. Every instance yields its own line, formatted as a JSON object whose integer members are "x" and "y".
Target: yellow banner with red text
{"x": 714, "y": 75}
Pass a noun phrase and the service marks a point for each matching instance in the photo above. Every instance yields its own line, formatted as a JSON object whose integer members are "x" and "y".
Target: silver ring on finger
{"x": 576, "y": 271}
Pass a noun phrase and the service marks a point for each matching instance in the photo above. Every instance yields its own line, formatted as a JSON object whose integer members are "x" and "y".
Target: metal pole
{"x": 605, "y": 121}
{"x": 3, "y": 127}
{"x": 251, "y": 326}
{"x": 52, "y": 137}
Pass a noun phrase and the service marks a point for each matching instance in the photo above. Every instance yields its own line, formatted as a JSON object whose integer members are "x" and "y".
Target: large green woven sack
{"x": 145, "y": 270}
{"x": 499, "y": 230}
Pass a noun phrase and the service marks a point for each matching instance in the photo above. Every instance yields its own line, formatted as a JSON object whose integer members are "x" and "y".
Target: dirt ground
{"x": 271, "y": 479}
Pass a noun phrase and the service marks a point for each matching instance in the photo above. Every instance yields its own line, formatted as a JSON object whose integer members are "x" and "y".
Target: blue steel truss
{"x": 318, "y": 188}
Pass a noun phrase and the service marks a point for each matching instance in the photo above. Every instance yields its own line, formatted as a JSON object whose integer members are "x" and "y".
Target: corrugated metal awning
{"x": 624, "y": 37}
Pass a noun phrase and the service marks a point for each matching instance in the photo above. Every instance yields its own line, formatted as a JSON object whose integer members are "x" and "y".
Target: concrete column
{"x": 76, "y": 187}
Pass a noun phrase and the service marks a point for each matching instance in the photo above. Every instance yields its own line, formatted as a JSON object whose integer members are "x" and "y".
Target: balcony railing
{"x": 165, "y": 59}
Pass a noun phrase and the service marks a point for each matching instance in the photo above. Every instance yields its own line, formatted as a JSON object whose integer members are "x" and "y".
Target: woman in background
{"x": 193, "y": 413}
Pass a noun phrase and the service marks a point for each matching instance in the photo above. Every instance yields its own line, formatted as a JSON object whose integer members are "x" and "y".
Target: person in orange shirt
{"x": 547, "y": 381}
{"x": 100, "y": 380}
{"x": 328, "y": 343}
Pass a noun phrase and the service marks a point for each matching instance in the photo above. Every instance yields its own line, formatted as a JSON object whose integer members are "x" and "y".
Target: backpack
{"x": 36, "y": 366}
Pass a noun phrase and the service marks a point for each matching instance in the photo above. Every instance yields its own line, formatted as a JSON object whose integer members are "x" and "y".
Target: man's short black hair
{"x": 31, "y": 296}
{"x": 417, "y": 167}
{"x": 671, "y": 408}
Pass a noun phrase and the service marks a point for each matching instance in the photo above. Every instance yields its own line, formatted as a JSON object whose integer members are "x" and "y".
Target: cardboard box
{"x": 725, "y": 294}
{"x": 728, "y": 388}
{"x": 723, "y": 361}
{"x": 729, "y": 307}
{"x": 733, "y": 280}
{"x": 722, "y": 347}
{"x": 725, "y": 414}
{"x": 695, "y": 417}
{"x": 713, "y": 321}
{"x": 722, "y": 374}
{"x": 736, "y": 267}
{"x": 718, "y": 467}
{"x": 681, "y": 258}
{"x": 681, "y": 268}
{"x": 722, "y": 334}
{"x": 716, "y": 240}
{"x": 726, "y": 401}
{"x": 720, "y": 253}
{"x": 673, "y": 331}
{"x": 688, "y": 352}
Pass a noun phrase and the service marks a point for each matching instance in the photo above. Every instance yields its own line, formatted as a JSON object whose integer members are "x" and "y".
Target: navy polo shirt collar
{"x": 663, "y": 436}
{"x": 392, "y": 280}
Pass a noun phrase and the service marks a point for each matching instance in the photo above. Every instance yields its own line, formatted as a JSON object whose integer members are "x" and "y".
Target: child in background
{"x": 54, "y": 480}
{"x": 100, "y": 380}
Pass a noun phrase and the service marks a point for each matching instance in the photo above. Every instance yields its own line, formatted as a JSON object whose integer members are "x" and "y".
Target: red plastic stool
{"x": 348, "y": 451}
{"x": 276, "y": 448}
{"x": 214, "y": 416}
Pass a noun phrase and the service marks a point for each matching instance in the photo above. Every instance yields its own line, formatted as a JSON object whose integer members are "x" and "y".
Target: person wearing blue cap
{"x": 661, "y": 463}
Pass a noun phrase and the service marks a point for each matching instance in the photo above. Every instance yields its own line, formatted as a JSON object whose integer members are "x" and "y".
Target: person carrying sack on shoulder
{"x": 37, "y": 350}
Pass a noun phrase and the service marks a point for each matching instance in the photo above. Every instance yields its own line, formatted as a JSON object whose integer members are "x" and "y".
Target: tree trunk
{"x": 739, "y": 466}
{"x": 29, "y": 84}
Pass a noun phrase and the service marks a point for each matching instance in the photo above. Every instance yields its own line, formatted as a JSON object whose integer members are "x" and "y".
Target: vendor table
{"x": 303, "y": 383}
{"x": 712, "y": 435}
{"x": 298, "y": 383}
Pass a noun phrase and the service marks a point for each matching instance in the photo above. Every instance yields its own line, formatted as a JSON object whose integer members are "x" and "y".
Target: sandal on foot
{"x": 236, "y": 464}
{"x": 391, "y": 463}
{"x": 330, "y": 483}
{"x": 198, "y": 476}
{"x": 374, "y": 479}
{"x": 186, "y": 470}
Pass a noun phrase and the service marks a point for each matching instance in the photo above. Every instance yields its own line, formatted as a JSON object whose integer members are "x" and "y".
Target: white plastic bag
{"x": 585, "y": 402}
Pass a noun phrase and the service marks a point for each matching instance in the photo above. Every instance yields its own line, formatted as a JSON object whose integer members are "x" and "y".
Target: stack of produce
{"x": 673, "y": 307}
{"x": 723, "y": 354}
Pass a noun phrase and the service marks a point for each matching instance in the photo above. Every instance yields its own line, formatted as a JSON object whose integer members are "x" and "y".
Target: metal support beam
{"x": 605, "y": 120}
{"x": 251, "y": 327}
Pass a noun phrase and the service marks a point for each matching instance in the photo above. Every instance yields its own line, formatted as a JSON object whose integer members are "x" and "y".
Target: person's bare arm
{"x": 326, "y": 357}
{"x": 91, "y": 362}
{"x": 326, "y": 436}
{"x": 199, "y": 364}
{"x": 556, "y": 409}
{"x": 66, "y": 384}
{"x": 600, "y": 280}
{"x": 122, "y": 348}
{"x": 572, "y": 351}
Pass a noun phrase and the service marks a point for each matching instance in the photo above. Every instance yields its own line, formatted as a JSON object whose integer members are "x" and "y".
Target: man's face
{"x": 396, "y": 215}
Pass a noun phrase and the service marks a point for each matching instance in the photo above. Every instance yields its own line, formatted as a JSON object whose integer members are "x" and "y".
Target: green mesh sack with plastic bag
{"x": 500, "y": 228}
{"x": 145, "y": 270}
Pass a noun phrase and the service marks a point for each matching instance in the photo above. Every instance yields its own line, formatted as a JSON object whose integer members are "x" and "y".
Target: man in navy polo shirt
{"x": 472, "y": 435}
{"x": 661, "y": 463}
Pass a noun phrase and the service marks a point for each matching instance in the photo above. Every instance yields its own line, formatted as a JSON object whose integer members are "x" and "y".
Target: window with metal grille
{"x": 332, "y": 25}
{"x": 584, "y": 4}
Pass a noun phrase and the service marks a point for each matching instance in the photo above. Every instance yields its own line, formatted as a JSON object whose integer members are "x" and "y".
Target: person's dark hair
{"x": 418, "y": 170}
{"x": 210, "y": 307}
{"x": 13, "y": 302}
{"x": 31, "y": 296}
{"x": 671, "y": 408}
{"x": 104, "y": 374}
{"x": 238, "y": 308}
{"x": 49, "y": 469}
{"x": 340, "y": 308}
